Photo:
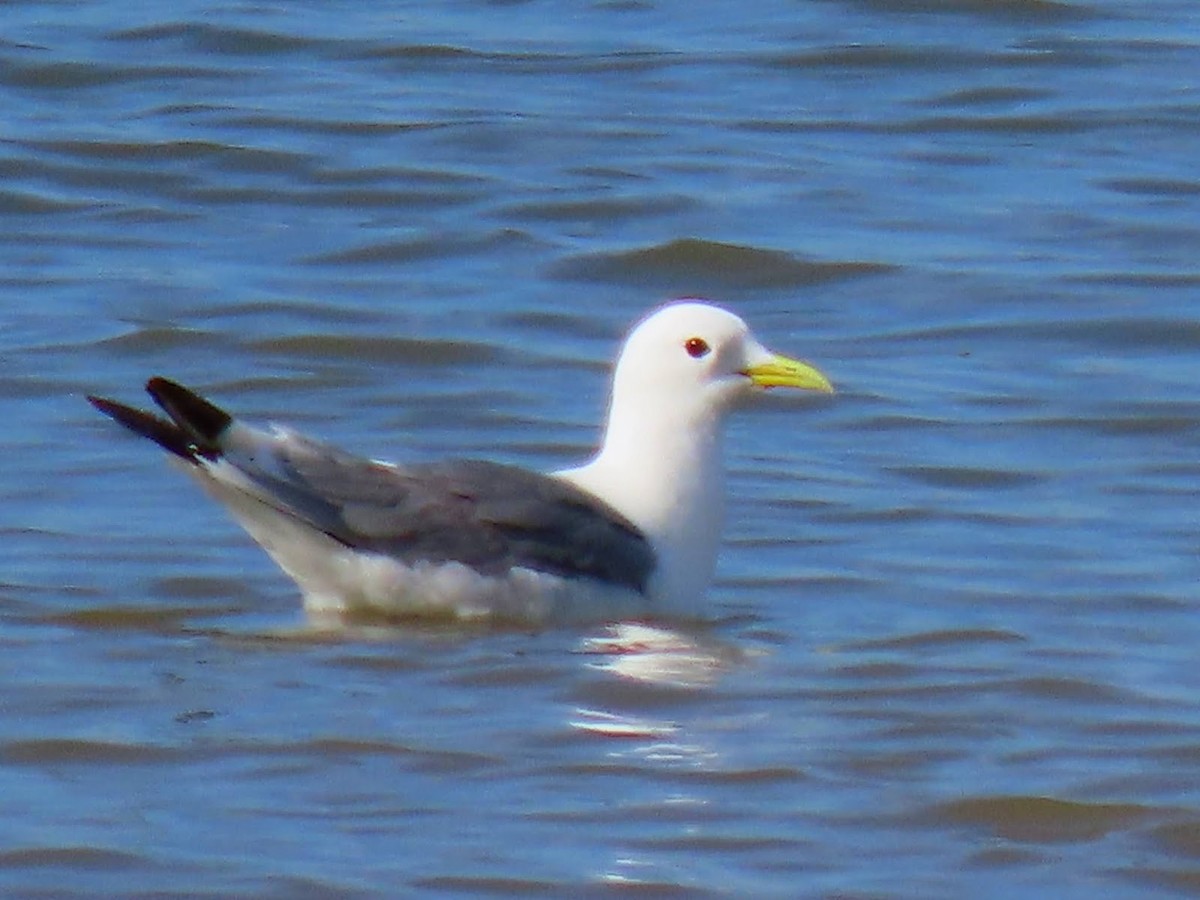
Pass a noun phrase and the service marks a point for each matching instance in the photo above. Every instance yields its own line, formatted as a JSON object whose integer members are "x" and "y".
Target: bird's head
{"x": 702, "y": 360}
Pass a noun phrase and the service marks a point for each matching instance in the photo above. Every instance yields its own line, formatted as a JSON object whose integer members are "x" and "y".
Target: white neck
{"x": 666, "y": 474}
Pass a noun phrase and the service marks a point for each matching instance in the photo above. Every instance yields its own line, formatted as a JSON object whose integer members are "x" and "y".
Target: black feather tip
{"x": 193, "y": 431}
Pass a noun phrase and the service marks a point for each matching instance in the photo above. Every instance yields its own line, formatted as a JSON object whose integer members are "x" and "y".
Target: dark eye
{"x": 696, "y": 347}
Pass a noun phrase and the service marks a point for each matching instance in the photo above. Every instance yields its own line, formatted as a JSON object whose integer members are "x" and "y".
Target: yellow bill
{"x": 780, "y": 371}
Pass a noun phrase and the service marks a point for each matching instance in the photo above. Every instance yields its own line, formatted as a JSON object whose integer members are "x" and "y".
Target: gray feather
{"x": 488, "y": 516}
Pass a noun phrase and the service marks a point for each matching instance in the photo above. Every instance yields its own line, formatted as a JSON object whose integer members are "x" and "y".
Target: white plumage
{"x": 634, "y": 532}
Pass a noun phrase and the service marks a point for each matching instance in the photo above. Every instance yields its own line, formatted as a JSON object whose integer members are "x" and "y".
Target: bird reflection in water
{"x": 658, "y": 655}
{"x": 652, "y": 657}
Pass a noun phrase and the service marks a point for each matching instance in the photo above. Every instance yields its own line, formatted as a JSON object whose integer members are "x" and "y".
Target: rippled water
{"x": 956, "y": 625}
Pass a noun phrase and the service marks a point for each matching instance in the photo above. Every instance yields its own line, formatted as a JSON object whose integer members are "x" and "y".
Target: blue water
{"x": 953, "y": 641}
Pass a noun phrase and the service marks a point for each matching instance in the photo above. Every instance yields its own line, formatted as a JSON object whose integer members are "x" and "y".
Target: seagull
{"x": 632, "y": 533}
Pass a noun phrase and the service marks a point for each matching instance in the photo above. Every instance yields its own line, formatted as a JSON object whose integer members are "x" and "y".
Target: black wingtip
{"x": 166, "y": 434}
{"x": 195, "y": 426}
{"x": 203, "y": 422}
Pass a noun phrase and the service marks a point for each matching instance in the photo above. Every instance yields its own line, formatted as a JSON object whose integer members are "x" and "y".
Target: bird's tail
{"x": 193, "y": 431}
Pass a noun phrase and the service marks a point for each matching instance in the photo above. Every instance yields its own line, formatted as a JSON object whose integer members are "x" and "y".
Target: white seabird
{"x": 632, "y": 532}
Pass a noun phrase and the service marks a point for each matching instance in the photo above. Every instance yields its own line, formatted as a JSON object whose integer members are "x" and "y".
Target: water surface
{"x": 952, "y": 649}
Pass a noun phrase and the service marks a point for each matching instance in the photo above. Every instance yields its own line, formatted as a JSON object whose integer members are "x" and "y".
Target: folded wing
{"x": 485, "y": 515}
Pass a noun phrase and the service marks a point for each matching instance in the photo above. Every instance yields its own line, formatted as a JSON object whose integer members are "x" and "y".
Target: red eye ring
{"x": 696, "y": 347}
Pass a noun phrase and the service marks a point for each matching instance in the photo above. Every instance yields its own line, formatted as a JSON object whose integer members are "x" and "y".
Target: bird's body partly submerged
{"x": 632, "y": 533}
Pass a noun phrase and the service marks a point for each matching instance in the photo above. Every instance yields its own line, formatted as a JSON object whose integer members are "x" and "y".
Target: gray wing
{"x": 488, "y": 516}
